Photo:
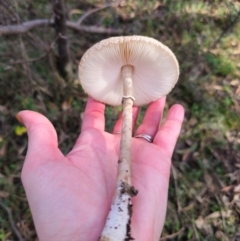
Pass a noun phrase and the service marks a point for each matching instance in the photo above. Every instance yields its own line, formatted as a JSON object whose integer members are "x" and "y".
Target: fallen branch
{"x": 29, "y": 25}
{"x": 65, "y": 64}
{"x": 172, "y": 236}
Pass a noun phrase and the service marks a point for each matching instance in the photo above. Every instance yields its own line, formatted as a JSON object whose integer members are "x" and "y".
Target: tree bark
{"x": 65, "y": 65}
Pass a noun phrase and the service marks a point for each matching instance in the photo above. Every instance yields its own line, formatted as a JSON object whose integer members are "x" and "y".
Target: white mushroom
{"x": 126, "y": 70}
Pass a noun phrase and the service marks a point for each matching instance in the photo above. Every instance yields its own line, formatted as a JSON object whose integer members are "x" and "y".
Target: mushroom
{"x": 127, "y": 71}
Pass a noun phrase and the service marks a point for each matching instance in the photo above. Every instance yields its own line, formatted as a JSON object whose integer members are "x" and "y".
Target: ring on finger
{"x": 145, "y": 137}
{"x": 117, "y": 132}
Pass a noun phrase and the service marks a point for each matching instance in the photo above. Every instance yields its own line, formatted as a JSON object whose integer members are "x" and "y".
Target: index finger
{"x": 93, "y": 115}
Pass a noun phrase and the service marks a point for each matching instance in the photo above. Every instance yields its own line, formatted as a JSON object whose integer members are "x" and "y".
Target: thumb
{"x": 42, "y": 143}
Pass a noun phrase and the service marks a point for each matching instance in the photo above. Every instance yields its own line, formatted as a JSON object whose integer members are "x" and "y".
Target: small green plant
{"x": 220, "y": 65}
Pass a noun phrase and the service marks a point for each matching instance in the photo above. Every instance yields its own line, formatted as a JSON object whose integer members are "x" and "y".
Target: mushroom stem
{"x": 124, "y": 168}
{"x": 117, "y": 226}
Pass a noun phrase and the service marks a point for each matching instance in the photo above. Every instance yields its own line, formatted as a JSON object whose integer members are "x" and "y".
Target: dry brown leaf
{"x": 4, "y": 194}
{"x": 237, "y": 203}
{"x": 237, "y": 92}
{"x": 227, "y": 188}
{"x": 2, "y": 108}
{"x": 237, "y": 188}
{"x": 236, "y": 197}
{"x": 157, "y": 5}
{"x": 202, "y": 224}
{"x": 235, "y": 82}
{"x": 2, "y": 176}
{"x": 226, "y": 201}
{"x": 123, "y": 3}
{"x": 67, "y": 104}
{"x": 217, "y": 87}
{"x": 237, "y": 165}
{"x": 186, "y": 155}
{"x": 133, "y": 5}
{"x": 218, "y": 214}
{"x": 122, "y": 13}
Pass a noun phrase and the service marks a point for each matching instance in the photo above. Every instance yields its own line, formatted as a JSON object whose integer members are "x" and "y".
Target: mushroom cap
{"x": 155, "y": 69}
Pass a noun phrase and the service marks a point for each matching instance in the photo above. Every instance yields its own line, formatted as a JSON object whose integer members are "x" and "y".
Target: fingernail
{"x": 19, "y": 118}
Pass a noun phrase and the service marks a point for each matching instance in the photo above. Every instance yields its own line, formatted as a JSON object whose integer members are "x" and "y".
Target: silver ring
{"x": 117, "y": 132}
{"x": 145, "y": 137}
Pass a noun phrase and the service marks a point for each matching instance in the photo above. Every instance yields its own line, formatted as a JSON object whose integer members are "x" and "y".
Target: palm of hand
{"x": 70, "y": 196}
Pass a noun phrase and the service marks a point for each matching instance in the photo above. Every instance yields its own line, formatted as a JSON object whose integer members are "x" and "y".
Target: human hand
{"x": 70, "y": 196}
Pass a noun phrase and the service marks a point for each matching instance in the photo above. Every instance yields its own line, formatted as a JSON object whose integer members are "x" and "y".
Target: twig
{"x": 29, "y": 25}
{"x": 227, "y": 29}
{"x": 91, "y": 11}
{"x": 174, "y": 172}
{"x": 10, "y": 217}
{"x": 219, "y": 201}
{"x": 171, "y": 236}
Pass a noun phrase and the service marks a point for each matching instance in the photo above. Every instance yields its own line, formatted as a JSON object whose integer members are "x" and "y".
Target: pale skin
{"x": 70, "y": 196}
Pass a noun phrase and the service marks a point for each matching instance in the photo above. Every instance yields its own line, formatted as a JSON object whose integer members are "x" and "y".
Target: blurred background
{"x": 41, "y": 44}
